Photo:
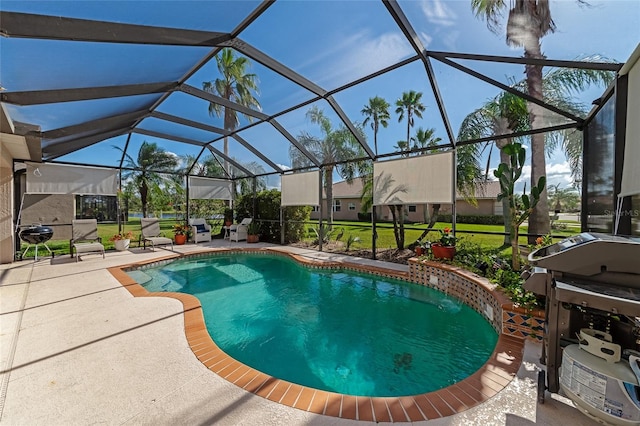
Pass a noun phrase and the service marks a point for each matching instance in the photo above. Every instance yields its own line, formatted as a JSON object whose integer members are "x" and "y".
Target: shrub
{"x": 364, "y": 217}
{"x": 267, "y": 214}
{"x": 473, "y": 219}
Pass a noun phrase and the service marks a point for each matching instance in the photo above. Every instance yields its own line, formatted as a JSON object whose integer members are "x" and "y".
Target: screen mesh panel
{"x": 300, "y": 189}
{"x": 630, "y": 169}
{"x": 209, "y": 189}
{"x": 65, "y": 179}
{"x": 414, "y": 180}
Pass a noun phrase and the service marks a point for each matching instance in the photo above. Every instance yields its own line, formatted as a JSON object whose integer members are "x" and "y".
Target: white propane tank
{"x": 605, "y": 391}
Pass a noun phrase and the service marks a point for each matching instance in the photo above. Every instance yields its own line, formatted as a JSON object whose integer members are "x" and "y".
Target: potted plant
{"x": 182, "y": 233}
{"x": 228, "y": 217}
{"x": 422, "y": 247}
{"x": 445, "y": 246}
{"x": 252, "y": 232}
{"x": 122, "y": 240}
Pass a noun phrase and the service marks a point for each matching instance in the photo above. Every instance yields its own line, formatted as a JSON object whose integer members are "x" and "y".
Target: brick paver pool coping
{"x": 494, "y": 375}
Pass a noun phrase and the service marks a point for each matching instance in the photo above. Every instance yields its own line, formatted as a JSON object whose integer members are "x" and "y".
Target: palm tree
{"x": 236, "y": 85}
{"x": 246, "y": 184}
{"x": 425, "y": 139}
{"x": 409, "y": 104}
{"x": 145, "y": 171}
{"x": 334, "y": 146}
{"x": 528, "y": 22}
{"x": 209, "y": 166}
{"x": 507, "y": 113}
{"x": 376, "y": 112}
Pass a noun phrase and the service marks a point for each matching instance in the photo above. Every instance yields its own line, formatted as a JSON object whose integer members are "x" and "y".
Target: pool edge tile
{"x": 477, "y": 388}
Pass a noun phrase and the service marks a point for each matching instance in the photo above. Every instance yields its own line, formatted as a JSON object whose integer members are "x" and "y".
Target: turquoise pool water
{"x": 335, "y": 330}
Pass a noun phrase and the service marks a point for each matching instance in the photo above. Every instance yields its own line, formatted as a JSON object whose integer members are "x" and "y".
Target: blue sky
{"x": 330, "y": 43}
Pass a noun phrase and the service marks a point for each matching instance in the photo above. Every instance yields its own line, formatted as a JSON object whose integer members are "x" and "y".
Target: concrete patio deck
{"x": 77, "y": 348}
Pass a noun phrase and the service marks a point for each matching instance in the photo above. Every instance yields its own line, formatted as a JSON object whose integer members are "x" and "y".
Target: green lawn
{"x": 470, "y": 232}
{"x": 361, "y": 230}
{"x": 105, "y": 231}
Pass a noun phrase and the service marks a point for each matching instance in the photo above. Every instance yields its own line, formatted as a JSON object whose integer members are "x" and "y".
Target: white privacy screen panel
{"x": 300, "y": 189}
{"x": 414, "y": 180}
{"x": 209, "y": 189}
{"x": 630, "y": 170}
{"x": 65, "y": 179}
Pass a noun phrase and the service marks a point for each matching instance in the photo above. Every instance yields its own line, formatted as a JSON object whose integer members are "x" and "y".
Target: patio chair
{"x": 239, "y": 232}
{"x": 84, "y": 238}
{"x": 200, "y": 230}
{"x": 151, "y": 232}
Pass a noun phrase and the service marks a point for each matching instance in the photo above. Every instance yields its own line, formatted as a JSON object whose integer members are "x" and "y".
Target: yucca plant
{"x": 350, "y": 241}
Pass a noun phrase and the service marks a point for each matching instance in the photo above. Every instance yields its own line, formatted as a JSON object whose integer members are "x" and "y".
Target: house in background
{"x": 346, "y": 203}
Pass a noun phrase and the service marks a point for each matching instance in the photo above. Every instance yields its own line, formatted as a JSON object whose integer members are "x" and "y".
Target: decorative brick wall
{"x": 481, "y": 295}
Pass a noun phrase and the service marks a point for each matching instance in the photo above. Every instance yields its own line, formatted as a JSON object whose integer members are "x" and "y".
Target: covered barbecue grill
{"x": 591, "y": 283}
{"x": 36, "y": 234}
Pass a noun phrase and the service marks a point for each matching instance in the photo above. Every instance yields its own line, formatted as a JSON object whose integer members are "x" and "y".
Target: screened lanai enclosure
{"x": 296, "y": 95}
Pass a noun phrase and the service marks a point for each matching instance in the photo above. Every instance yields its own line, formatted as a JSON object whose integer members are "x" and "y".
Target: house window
{"x": 352, "y": 206}
{"x": 315, "y": 208}
{"x": 412, "y": 209}
{"x": 337, "y": 205}
{"x": 100, "y": 207}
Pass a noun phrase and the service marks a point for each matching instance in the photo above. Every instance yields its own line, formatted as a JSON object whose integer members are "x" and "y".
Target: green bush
{"x": 473, "y": 219}
{"x": 496, "y": 267}
{"x": 267, "y": 214}
{"x": 364, "y": 217}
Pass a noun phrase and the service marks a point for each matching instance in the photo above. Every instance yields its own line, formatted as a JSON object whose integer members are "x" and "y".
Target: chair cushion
{"x": 200, "y": 228}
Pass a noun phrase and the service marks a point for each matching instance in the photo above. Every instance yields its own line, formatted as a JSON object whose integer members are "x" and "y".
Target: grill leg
{"x": 26, "y": 250}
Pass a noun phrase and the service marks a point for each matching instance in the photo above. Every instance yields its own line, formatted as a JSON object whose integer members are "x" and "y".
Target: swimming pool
{"x": 330, "y": 329}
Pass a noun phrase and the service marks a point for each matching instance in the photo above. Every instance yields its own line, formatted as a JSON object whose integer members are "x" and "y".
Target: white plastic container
{"x": 604, "y": 391}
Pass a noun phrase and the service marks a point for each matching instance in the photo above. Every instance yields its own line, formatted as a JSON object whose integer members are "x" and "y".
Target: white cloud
{"x": 439, "y": 13}
{"x": 557, "y": 173}
{"x": 283, "y": 166}
{"x": 358, "y": 55}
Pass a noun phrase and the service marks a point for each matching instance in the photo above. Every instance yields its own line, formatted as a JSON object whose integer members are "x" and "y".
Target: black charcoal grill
{"x": 36, "y": 235}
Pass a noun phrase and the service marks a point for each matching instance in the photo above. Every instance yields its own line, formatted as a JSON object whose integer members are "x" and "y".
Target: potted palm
{"x": 253, "y": 232}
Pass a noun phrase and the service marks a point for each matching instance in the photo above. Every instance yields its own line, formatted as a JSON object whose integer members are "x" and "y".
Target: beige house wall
{"x": 485, "y": 207}
{"x": 6, "y": 207}
{"x": 55, "y": 211}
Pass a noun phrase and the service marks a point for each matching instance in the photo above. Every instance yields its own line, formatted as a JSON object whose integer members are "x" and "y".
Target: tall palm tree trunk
{"x": 328, "y": 188}
{"x": 375, "y": 136}
{"x": 539, "y": 219}
{"x": 144, "y": 191}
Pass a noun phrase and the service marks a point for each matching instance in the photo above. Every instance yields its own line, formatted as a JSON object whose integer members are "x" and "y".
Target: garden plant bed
{"x": 386, "y": 255}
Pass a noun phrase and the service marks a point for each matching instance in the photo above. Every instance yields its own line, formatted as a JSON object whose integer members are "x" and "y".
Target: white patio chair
{"x": 151, "y": 232}
{"x": 239, "y": 232}
{"x": 200, "y": 230}
{"x": 84, "y": 238}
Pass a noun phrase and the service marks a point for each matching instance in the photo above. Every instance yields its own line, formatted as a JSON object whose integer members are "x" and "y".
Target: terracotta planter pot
{"x": 419, "y": 251}
{"x": 253, "y": 238}
{"x": 443, "y": 252}
{"x": 121, "y": 245}
{"x": 181, "y": 239}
